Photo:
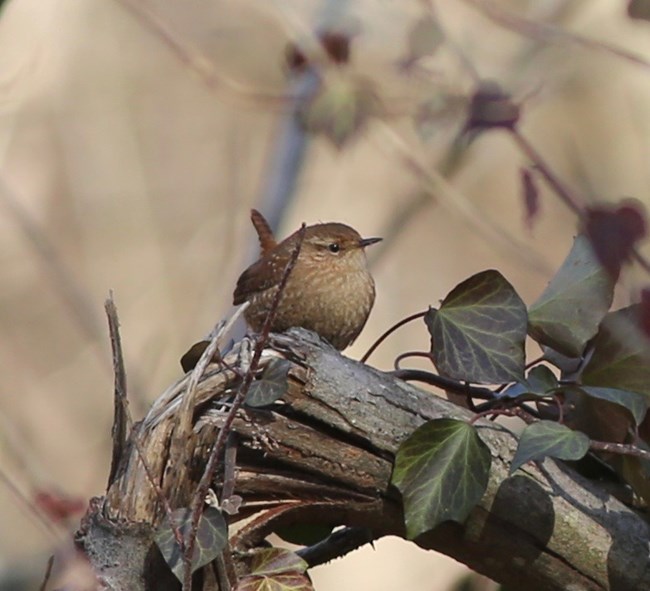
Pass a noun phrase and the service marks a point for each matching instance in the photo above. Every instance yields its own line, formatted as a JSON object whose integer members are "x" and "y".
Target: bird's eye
{"x": 334, "y": 247}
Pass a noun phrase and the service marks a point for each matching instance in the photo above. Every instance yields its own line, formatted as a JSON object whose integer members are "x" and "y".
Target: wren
{"x": 329, "y": 290}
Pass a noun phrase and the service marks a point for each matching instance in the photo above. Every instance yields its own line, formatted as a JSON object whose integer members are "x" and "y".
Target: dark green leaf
{"x": 442, "y": 471}
{"x": 568, "y": 312}
{"x": 541, "y": 380}
{"x": 547, "y": 438}
{"x": 478, "y": 333}
{"x": 621, "y": 357}
{"x": 271, "y": 386}
{"x": 211, "y": 537}
{"x": 567, "y": 365}
{"x": 276, "y": 569}
{"x": 636, "y": 403}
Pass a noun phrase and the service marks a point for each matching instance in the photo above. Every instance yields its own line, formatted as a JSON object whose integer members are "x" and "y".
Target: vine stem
{"x": 447, "y": 384}
{"x": 390, "y": 331}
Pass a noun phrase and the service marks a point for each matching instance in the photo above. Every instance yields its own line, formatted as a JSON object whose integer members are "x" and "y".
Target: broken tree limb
{"x": 324, "y": 453}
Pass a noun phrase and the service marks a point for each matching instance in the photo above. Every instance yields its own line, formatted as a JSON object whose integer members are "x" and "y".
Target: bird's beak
{"x": 368, "y": 241}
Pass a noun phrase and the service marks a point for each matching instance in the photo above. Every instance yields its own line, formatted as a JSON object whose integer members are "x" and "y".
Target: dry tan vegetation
{"x": 123, "y": 170}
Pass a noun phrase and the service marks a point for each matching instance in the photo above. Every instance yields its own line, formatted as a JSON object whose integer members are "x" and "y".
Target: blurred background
{"x": 136, "y": 136}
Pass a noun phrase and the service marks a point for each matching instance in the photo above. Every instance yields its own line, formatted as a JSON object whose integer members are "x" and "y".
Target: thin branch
{"x": 465, "y": 63}
{"x": 624, "y": 449}
{"x": 121, "y": 415}
{"x": 48, "y": 573}
{"x": 440, "y": 190}
{"x": 549, "y": 33}
{"x": 195, "y": 59}
{"x": 562, "y": 191}
{"x": 238, "y": 401}
{"x": 62, "y": 278}
{"x": 230, "y": 467}
{"x": 570, "y": 200}
{"x": 220, "y": 331}
{"x": 72, "y": 292}
{"x": 57, "y": 535}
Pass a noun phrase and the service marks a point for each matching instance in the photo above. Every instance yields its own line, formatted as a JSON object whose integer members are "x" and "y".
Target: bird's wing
{"x": 260, "y": 276}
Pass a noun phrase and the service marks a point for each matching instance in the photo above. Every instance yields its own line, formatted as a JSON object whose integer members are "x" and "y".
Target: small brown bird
{"x": 329, "y": 290}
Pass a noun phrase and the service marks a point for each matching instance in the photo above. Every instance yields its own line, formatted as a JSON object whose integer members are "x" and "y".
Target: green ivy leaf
{"x": 548, "y": 438}
{"x": 478, "y": 333}
{"x": 442, "y": 471}
{"x": 621, "y": 357}
{"x": 271, "y": 386}
{"x": 568, "y": 312}
{"x": 211, "y": 537}
{"x": 541, "y": 380}
{"x": 282, "y": 582}
{"x": 276, "y": 569}
{"x": 567, "y": 365}
{"x": 636, "y": 403}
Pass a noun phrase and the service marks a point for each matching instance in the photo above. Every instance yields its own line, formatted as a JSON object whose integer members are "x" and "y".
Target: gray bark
{"x": 324, "y": 454}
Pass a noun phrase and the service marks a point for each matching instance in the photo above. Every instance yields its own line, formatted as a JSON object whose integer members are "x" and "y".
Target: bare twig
{"x": 72, "y": 293}
{"x": 570, "y": 200}
{"x": 218, "y": 448}
{"x": 62, "y": 278}
{"x": 222, "y": 329}
{"x": 549, "y": 33}
{"x": 229, "y": 467}
{"x": 48, "y": 573}
{"x": 121, "y": 415}
{"x": 624, "y": 449}
{"x": 58, "y": 536}
{"x": 123, "y": 418}
{"x": 562, "y": 191}
{"x": 455, "y": 202}
{"x": 195, "y": 60}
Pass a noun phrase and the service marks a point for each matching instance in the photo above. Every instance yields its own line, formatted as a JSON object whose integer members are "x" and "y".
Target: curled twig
{"x": 390, "y": 331}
